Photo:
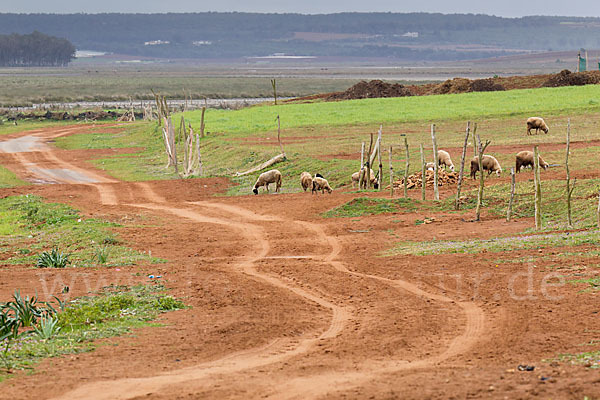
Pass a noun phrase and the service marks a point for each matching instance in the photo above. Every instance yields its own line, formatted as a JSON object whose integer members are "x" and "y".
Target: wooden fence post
{"x": 279, "y": 135}
{"x": 598, "y": 211}
{"x": 202, "y": 122}
{"x": 380, "y": 179}
{"x": 512, "y": 194}
{"x": 407, "y": 167}
{"x": 436, "y": 190}
{"x": 462, "y": 166}
{"x": 423, "y": 180}
{"x": 391, "y": 175}
{"x": 570, "y": 187}
{"x": 538, "y": 188}
{"x": 480, "y": 150}
{"x": 361, "y": 173}
{"x": 368, "y": 169}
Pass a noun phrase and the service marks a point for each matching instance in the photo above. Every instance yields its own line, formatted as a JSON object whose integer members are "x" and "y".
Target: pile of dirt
{"x": 372, "y": 89}
{"x": 568, "y": 78}
{"x": 464, "y": 85}
{"x": 415, "y": 180}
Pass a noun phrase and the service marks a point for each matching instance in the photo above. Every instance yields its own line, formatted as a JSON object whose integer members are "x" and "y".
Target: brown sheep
{"x": 356, "y": 177}
{"x": 525, "y": 159}
{"x": 272, "y": 176}
{"x": 306, "y": 180}
{"x": 489, "y": 164}
{"x": 320, "y": 184}
{"x": 536, "y": 123}
{"x": 445, "y": 160}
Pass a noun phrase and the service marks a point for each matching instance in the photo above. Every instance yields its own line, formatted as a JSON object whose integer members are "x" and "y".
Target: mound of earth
{"x": 372, "y": 89}
{"x": 464, "y": 85}
{"x": 568, "y": 78}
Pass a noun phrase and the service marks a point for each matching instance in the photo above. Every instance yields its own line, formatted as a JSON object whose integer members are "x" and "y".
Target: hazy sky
{"x": 508, "y": 8}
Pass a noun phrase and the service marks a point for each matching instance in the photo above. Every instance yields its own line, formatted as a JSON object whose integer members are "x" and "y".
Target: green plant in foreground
{"x": 53, "y": 259}
{"x": 47, "y": 327}
{"x": 101, "y": 254}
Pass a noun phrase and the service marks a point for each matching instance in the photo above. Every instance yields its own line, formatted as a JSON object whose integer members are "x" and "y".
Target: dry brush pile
{"x": 416, "y": 179}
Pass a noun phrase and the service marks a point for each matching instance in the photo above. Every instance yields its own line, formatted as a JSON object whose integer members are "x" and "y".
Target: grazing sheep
{"x": 318, "y": 175}
{"x": 430, "y": 166}
{"x": 489, "y": 164}
{"x": 445, "y": 160}
{"x": 536, "y": 123}
{"x": 306, "y": 180}
{"x": 272, "y": 176}
{"x": 525, "y": 159}
{"x": 356, "y": 177}
{"x": 320, "y": 184}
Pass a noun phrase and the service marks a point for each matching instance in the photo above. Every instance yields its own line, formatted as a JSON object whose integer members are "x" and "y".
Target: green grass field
{"x": 325, "y": 137}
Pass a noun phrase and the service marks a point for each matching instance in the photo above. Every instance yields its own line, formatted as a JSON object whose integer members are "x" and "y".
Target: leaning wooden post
{"x": 512, "y": 194}
{"x": 361, "y": 171}
{"x": 598, "y": 211}
{"x": 406, "y": 168}
{"x": 368, "y": 170}
{"x": 274, "y": 84}
{"x": 380, "y": 179}
{"x": 569, "y": 188}
{"x": 480, "y": 150}
{"x": 423, "y": 178}
{"x": 202, "y": 122}
{"x": 436, "y": 190}
{"x": 462, "y": 166}
{"x": 538, "y": 188}
{"x": 391, "y": 174}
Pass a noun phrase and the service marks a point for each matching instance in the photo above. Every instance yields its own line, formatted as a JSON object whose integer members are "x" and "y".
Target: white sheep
{"x": 306, "y": 180}
{"x": 445, "y": 160}
{"x": 525, "y": 159}
{"x": 536, "y": 123}
{"x": 264, "y": 179}
{"x": 430, "y": 166}
{"x": 320, "y": 184}
{"x": 356, "y": 177}
{"x": 489, "y": 164}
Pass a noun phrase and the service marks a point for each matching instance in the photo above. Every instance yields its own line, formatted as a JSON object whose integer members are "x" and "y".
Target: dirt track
{"x": 286, "y": 304}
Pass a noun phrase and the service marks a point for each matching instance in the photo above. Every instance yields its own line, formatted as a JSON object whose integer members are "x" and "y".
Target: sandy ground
{"x": 286, "y": 304}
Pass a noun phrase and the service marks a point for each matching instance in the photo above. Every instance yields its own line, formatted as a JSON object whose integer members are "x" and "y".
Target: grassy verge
{"x": 365, "y": 206}
{"x": 497, "y": 245}
{"x": 28, "y": 226}
{"x": 9, "y": 179}
{"x": 115, "y": 311}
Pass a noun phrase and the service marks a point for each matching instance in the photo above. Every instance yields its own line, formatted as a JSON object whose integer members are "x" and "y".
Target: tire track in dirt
{"x": 277, "y": 351}
{"x": 320, "y": 385}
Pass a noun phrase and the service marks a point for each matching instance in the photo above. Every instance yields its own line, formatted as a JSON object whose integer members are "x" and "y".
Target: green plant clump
{"x": 53, "y": 259}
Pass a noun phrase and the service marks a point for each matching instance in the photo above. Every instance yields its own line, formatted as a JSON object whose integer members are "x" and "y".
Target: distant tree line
{"x": 35, "y": 49}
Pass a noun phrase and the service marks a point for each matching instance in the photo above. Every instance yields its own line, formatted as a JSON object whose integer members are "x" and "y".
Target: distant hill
{"x": 414, "y": 36}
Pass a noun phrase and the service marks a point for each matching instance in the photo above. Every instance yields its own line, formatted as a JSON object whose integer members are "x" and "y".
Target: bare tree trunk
{"x": 423, "y": 180}
{"x": 462, "y": 167}
{"x": 512, "y": 194}
{"x": 538, "y": 188}
{"x": 436, "y": 190}
{"x": 274, "y": 84}
{"x": 391, "y": 175}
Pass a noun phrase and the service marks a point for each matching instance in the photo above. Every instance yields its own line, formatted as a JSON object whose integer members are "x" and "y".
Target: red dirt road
{"x": 286, "y": 304}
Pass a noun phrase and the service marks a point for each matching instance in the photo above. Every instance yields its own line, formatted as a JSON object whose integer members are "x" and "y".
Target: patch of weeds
{"x": 72, "y": 327}
{"x": 594, "y": 283}
{"x": 31, "y": 226}
{"x": 497, "y": 244}
{"x": 366, "y": 206}
{"x": 590, "y": 359}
